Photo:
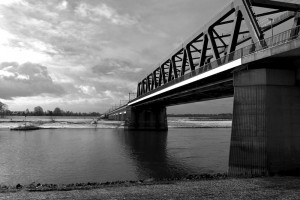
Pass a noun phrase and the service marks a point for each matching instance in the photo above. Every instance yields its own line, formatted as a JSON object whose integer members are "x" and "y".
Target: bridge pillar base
{"x": 146, "y": 118}
{"x": 265, "y": 137}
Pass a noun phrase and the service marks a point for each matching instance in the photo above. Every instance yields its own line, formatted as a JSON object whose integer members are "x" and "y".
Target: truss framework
{"x": 210, "y": 43}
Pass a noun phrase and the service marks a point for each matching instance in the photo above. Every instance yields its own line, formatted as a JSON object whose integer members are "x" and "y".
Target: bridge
{"x": 257, "y": 62}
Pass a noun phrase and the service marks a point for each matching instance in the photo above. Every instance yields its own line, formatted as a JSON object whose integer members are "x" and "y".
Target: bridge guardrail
{"x": 275, "y": 40}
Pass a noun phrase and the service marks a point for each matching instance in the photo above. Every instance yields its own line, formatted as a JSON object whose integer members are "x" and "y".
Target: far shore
{"x": 59, "y": 122}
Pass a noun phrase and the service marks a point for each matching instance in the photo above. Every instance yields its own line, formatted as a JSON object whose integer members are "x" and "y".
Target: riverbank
{"x": 90, "y": 122}
{"x": 220, "y": 188}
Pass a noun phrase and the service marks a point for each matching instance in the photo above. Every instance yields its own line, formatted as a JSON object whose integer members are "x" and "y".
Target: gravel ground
{"x": 254, "y": 188}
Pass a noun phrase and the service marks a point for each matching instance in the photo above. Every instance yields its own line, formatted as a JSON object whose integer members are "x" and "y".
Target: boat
{"x": 94, "y": 122}
{"x": 25, "y": 128}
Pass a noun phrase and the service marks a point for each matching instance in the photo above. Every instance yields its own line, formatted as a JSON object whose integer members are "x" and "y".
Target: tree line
{"x": 39, "y": 111}
{"x": 212, "y": 116}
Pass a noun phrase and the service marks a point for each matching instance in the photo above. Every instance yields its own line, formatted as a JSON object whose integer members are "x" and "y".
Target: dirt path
{"x": 256, "y": 188}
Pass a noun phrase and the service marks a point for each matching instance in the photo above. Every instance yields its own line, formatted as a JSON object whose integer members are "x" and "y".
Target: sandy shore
{"x": 86, "y": 122}
{"x": 252, "y": 188}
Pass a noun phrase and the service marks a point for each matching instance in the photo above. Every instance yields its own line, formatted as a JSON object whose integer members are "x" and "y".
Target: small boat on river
{"x": 25, "y": 128}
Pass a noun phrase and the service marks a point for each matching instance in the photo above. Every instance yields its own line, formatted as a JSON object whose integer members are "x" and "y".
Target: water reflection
{"x": 148, "y": 149}
{"x": 100, "y": 155}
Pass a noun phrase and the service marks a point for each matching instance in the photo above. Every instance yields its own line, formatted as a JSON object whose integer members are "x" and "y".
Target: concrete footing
{"x": 265, "y": 137}
{"x": 146, "y": 118}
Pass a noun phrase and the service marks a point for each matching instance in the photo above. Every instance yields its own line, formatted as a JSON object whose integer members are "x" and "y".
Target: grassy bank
{"x": 198, "y": 188}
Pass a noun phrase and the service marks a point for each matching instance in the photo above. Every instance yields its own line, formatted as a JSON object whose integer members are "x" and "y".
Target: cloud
{"x": 62, "y": 6}
{"x": 26, "y": 80}
{"x": 95, "y": 50}
{"x": 87, "y": 90}
{"x": 103, "y": 11}
{"x": 115, "y": 78}
{"x": 10, "y": 2}
{"x": 118, "y": 68}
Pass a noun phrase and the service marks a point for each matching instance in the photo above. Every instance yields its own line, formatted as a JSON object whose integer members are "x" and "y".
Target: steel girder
{"x": 210, "y": 44}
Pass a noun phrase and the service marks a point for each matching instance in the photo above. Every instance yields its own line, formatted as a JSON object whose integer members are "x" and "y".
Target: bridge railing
{"x": 117, "y": 107}
{"x": 275, "y": 40}
{"x": 272, "y": 41}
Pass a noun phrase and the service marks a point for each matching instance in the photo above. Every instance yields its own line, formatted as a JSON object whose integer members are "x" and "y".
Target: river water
{"x": 100, "y": 154}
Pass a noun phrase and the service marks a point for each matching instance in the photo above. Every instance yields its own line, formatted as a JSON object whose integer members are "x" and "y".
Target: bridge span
{"x": 259, "y": 68}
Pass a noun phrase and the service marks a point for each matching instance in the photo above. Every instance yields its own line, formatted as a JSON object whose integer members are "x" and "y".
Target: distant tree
{"x": 8, "y": 112}
{"x": 94, "y": 114}
{"x": 50, "y": 113}
{"x": 3, "y": 109}
{"x": 38, "y": 111}
{"x": 57, "y": 111}
{"x": 26, "y": 113}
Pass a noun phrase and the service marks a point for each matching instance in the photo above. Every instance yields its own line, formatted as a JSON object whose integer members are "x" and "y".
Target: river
{"x": 98, "y": 154}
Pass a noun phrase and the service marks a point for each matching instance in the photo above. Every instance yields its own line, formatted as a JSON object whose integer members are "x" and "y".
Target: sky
{"x": 87, "y": 55}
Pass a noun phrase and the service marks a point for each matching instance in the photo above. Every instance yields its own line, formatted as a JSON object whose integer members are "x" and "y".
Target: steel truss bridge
{"x": 212, "y": 47}
{"x": 257, "y": 61}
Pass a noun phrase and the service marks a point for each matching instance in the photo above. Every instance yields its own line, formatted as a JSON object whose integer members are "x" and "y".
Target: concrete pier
{"x": 265, "y": 137}
{"x": 146, "y": 118}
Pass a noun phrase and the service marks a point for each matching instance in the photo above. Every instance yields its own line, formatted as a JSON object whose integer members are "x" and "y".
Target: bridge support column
{"x": 265, "y": 137}
{"x": 123, "y": 116}
{"x": 146, "y": 118}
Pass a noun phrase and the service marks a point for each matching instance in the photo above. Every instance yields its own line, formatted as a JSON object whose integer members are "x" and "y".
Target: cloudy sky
{"x": 86, "y": 55}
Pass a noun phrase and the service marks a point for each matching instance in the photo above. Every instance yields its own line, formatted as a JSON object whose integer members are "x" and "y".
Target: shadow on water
{"x": 99, "y": 155}
{"x": 148, "y": 150}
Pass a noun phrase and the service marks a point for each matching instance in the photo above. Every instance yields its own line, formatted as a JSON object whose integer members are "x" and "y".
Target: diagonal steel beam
{"x": 152, "y": 82}
{"x": 184, "y": 61}
{"x": 173, "y": 64}
{"x": 163, "y": 74}
{"x": 143, "y": 87}
{"x": 157, "y": 75}
{"x": 148, "y": 84}
{"x": 235, "y": 32}
{"x": 218, "y": 36}
{"x": 170, "y": 71}
{"x": 224, "y": 22}
{"x": 277, "y": 4}
{"x": 251, "y": 22}
{"x": 269, "y": 13}
{"x": 190, "y": 57}
{"x": 196, "y": 49}
{"x": 213, "y": 44}
{"x": 138, "y": 89}
{"x": 204, "y": 50}
{"x": 160, "y": 77}
{"x": 179, "y": 58}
